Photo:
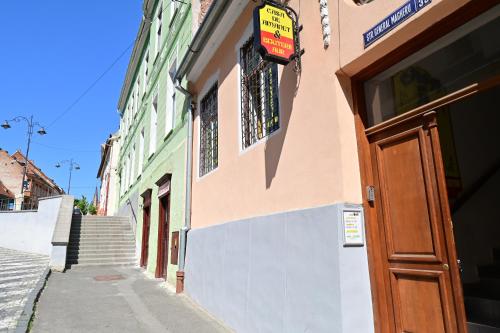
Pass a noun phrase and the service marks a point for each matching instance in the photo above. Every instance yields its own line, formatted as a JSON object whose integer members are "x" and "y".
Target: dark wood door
{"x": 163, "y": 239}
{"x": 146, "y": 219}
{"x": 421, "y": 274}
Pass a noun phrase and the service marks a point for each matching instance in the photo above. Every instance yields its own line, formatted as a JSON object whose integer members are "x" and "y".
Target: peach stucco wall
{"x": 312, "y": 160}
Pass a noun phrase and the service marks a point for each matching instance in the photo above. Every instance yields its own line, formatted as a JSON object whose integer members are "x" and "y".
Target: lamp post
{"x": 31, "y": 125}
{"x": 72, "y": 165}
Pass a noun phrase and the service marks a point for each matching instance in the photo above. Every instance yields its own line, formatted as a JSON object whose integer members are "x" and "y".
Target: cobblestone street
{"x": 21, "y": 276}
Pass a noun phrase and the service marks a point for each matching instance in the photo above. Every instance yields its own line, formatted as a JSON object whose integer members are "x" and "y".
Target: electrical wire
{"x": 101, "y": 76}
{"x": 65, "y": 149}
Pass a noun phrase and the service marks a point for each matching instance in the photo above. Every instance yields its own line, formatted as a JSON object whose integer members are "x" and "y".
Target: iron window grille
{"x": 259, "y": 96}
{"x": 209, "y": 136}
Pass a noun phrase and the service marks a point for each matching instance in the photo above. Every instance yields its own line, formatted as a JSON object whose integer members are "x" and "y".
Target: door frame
{"x": 381, "y": 295}
{"x": 163, "y": 235}
{"x": 146, "y": 206}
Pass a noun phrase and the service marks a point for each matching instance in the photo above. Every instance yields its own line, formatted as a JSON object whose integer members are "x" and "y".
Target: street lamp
{"x": 31, "y": 124}
{"x": 72, "y": 165}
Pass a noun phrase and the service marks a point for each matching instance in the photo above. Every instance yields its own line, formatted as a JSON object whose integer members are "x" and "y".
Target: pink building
{"x": 108, "y": 177}
{"x": 323, "y": 198}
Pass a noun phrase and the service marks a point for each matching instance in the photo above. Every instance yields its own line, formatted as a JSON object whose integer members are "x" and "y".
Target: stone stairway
{"x": 101, "y": 241}
{"x": 482, "y": 299}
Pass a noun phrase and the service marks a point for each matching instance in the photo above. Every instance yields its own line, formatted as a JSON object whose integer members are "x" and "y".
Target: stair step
{"x": 486, "y": 288}
{"x": 113, "y": 245}
{"x": 102, "y": 236}
{"x": 86, "y": 251}
{"x": 127, "y": 260}
{"x": 478, "y": 328}
{"x": 129, "y": 249}
{"x": 102, "y": 233}
{"x": 489, "y": 271}
{"x": 101, "y": 227}
{"x": 496, "y": 254}
{"x": 102, "y": 255}
{"x": 483, "y": 311}
{"x": 115, "y": 264}
{"x": 100, "y": 219}
{"x": 89, "y": 243}
{"x": 98, "y": 224}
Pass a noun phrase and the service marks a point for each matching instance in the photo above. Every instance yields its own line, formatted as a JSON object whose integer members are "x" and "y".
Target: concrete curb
{"x": 23, "y": 321}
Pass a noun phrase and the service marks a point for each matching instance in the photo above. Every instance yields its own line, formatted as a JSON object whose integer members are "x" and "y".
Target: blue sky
{"x": 51, "y": 53}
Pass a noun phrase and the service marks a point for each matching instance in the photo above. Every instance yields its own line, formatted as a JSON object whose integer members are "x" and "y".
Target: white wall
{"x": 286, "y": 272}
{"x": 30, "y": 231}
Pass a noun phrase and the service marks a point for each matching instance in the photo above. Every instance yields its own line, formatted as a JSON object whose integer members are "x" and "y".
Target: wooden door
{"x": 163, "y": 239}
{"x": 145, "y": 235}
{"x": 420, "y": 271}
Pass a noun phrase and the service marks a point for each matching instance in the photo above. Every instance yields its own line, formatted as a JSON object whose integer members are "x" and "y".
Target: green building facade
{"x": 153, "y": 128}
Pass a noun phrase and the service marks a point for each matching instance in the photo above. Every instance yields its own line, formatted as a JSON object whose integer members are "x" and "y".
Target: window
{"x": 438, "y": 69}
{"x": 159, "y": 25}
{"x": 170, "y": 105}
{"x": 173, "y": 8}
{"x": 127, "y": 172}
{"x": 136, "y": 99}
{"x": 259, "y": 96}
{"x": 132, "y": 168}
{"x": 169, "y": 108}
{"x": 132, "y": 106}
{"x": 152, "y": 131}
{"x": 122, "y": 182}
{"x": 209, "y": 132}
{"x": 141, "y": 153}
{"x": 146, "y": 72}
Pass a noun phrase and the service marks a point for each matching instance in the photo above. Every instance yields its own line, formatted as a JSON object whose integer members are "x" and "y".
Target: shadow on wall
{"x": 289, "y": 85}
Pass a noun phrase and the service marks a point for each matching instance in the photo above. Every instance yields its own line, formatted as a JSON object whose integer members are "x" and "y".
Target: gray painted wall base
{"x": 287, "y": 272}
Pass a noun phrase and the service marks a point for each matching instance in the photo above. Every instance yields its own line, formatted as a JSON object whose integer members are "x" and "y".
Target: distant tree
{"x": 92, "y": 209}
{"x": 83, "y": 205}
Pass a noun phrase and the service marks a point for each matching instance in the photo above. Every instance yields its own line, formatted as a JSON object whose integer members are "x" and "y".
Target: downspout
{"x": 189, "y": 170}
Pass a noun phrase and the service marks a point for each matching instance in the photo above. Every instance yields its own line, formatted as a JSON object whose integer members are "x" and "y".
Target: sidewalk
{"x": 96, "y": 299}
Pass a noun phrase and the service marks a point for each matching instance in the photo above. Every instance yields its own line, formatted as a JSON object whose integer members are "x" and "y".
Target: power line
{"x": 86, "y": 91}
{"x": 66, "y": 149}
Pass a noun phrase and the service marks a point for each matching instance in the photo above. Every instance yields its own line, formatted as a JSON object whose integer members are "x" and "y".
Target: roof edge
{"x": 201, "y": 37}
{"x": 140, "y": 40}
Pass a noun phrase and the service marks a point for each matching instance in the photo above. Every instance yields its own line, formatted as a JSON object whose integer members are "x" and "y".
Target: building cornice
{"x": 140, "y": 41}
{"x": 207, "y": 38}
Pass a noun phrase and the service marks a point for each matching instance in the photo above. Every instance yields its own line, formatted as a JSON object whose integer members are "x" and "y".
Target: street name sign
{"x": 393, "y": 20}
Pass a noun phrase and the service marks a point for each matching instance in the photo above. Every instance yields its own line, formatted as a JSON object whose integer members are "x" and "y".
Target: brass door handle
{"x": 446, "y": 267}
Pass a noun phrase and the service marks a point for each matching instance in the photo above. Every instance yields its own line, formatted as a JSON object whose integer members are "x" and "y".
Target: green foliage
{"x": 92, "y": 209}
{"x": 82, "y": 204}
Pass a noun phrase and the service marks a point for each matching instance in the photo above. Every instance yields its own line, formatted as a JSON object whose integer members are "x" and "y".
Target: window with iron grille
{"x": 259, "y": 96}
{"x": 209, "y": 140}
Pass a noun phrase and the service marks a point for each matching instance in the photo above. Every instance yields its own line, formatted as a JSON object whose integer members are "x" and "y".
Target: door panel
{"x": 420, "y": 301}
{"x": 408, "y": 197}
{"x": 411, "y": 213}
{"x": 163, "y": 237}
{"x": 145, "y": 237}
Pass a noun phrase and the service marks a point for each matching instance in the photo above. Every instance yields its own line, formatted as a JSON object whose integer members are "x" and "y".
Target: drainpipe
{"x": 187, "y": 218}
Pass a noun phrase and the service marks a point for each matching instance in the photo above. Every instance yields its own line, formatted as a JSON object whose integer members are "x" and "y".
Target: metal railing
{"x": 13, "y": 205}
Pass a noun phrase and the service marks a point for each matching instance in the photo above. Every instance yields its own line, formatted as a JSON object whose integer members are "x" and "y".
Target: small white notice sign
{"x": 353, "y": 228}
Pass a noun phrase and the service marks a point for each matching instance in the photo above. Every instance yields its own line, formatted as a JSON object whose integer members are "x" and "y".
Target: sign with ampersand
{"x": 274, "y": 32}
